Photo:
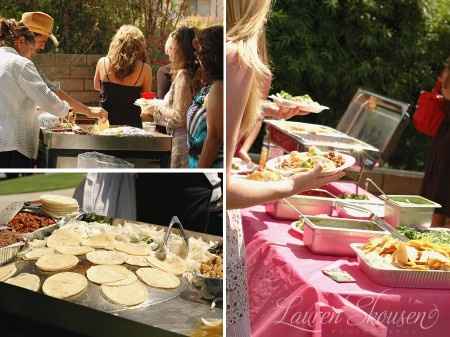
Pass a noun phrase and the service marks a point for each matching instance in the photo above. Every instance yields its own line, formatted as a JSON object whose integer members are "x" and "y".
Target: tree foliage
{"x": 330, "y": 48}
{"x": 87, "y": 26}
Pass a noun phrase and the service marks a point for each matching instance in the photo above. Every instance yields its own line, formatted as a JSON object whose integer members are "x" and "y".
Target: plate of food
{"x": 240, "y": 166}
{"x": 264, "y": 175}
{"x": 305, "y": 102}
{"x": 296, "y": 162}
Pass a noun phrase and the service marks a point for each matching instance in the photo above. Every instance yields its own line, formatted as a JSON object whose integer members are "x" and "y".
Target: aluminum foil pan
{"x": 402, "y": 278}
{"x": 8, "y": 253}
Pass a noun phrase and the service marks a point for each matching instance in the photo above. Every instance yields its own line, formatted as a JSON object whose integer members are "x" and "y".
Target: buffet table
{"x": 53, "y": 146}
{"x": 290, "y": 296}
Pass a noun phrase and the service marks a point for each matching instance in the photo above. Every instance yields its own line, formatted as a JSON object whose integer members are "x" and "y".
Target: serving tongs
{"x": 372, "y": 217}
{"x": 380, "y": 222}
{"x": 161, "y": 252}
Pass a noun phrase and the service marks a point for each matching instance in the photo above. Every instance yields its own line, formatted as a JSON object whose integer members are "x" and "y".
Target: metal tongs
{"x": 161, "y": 252}
{"x": 380, "y": 223}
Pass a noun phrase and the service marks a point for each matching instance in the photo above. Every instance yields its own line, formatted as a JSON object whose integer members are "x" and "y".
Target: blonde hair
{"x": 126, "y": 49}
{"x": 245, "y": 29}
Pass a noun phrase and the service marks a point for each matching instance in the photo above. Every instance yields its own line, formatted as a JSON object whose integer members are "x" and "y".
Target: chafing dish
{"x": 333, "y": 236}
{"x": 409, "y": 210}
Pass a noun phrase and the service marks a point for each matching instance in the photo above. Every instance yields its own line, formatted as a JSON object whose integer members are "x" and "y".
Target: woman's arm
{"x": 97, "y": 77}
{"x": 214, "y": 119}
{"x": 243, "y": 193}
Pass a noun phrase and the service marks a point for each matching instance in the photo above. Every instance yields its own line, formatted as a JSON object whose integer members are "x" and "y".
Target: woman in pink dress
{"x": 246, "y": 75}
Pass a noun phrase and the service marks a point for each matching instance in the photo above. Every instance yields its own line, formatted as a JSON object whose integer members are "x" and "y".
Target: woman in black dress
{"x": 123, "y": 75}
{"x": 436, "y": 183}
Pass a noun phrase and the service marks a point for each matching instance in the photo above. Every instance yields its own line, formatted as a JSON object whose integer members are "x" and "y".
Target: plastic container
{"x": 100, "y": 160}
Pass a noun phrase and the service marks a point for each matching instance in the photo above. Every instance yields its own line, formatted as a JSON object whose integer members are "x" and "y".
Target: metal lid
{"x": 375, "y": 119}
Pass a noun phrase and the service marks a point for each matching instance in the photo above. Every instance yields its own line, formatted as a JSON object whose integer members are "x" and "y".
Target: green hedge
{"x": 330, "y": 48}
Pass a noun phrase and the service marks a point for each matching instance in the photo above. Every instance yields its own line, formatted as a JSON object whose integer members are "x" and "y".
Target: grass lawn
{"x": 40, "y": 183}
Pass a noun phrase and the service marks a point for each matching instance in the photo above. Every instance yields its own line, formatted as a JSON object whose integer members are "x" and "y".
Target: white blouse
{"x": 22, "y": 90}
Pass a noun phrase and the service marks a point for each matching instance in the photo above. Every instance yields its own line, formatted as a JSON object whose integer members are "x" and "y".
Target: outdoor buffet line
{"x": 156, "y": 279}
{"x": 339, "y": 252}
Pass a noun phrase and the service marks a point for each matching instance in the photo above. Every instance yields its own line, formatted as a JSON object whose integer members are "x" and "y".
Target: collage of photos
{"x": 307, "y": 196}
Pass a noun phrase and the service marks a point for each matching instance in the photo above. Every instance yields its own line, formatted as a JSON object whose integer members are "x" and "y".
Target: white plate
{"x": 313, "y": 107}
{"x": 274, "y": 164}
{"x": 243, "y": 166}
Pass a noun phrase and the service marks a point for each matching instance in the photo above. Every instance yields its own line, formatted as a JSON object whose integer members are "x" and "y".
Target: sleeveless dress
{"x": 118, "y": 100}
{"x": 197, "y": 130}
{"x": 436, "y": 185}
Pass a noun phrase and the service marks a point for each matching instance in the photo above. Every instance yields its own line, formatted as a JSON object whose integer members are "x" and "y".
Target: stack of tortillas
{"x": 59, "y": 206}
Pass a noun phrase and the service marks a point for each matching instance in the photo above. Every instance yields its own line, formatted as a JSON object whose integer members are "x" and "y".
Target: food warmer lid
{"x": 376, "y": 120}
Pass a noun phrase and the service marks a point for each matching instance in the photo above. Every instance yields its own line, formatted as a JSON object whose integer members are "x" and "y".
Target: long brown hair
{"x": 11, "y": 30}
{"x": 211, "y": 53}
{"x": 126, "y": 49}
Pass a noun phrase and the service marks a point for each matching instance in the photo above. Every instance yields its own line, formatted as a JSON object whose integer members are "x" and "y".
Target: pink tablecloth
{"x": 289, "y": 295}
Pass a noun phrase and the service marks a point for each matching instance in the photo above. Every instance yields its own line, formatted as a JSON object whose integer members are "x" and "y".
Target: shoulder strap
{"x": 140, "y": 73}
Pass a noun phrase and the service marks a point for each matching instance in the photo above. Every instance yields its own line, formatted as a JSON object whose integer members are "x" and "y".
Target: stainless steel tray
{"x": 308, "y": 205}
{"x": 11, "y": 210}
{"x": 402, "y": 278}
{"x": 92, "y": 297}
{"x": 335, "y": 240}
{"x": 154, "y": 142}
{"x": 330, "y": 138}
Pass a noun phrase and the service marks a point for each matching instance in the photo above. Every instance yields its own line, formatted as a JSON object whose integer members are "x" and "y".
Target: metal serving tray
{"x": 307, "y": 204}
{"x": 317, "y": 205}
{"x": 8, "y": 253}
{"x": 8, "y": 213}
{"x": 334, "y": 239}
{"x": 402, "y": 278}
{"x": 92, "y": 297}
{"x": 175, "y": 312}
{"x": 414, "y": 214}
{"x": 154, "y": 142}
{"x": 283, "y": 133}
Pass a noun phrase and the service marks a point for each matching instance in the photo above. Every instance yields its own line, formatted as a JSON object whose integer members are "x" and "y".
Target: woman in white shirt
{"x": 21, "y": 91}
{"x": 172, "y": 112}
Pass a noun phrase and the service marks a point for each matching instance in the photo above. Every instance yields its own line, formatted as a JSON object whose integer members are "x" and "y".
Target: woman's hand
{"x": 273, "y": 110}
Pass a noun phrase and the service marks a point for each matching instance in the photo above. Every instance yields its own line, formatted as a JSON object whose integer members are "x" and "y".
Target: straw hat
{"x": 40, "y": 23}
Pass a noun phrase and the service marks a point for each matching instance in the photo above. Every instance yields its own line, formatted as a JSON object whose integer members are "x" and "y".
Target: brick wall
{"x": 74, "y": 72}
